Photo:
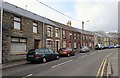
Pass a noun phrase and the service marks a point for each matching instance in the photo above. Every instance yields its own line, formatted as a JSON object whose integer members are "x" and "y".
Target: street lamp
{"x": 83, "y": 32}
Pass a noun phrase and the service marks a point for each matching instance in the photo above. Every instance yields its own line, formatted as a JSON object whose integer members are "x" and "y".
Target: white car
{"x": 84, "y": 49}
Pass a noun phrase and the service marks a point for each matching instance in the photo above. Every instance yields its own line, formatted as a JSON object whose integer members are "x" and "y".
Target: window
{"x": 85, "y": 37}
{"x": 35, "y": 27}
{"x": 18, "y": 45}
{"x": 74, "y": 35}
{"x": 17, "y": 23}
{"x": 64, "y": 44}
{"x": 50, "y": 51}
{"x": 75, "y": 45}
{"x": 56, "y": 32}
{"x": 70, "y": 35}
{"x": 49, "y": 44}
{"x": 41, "y": 51}
{"x": 78, "y": 37}
{"x": 70, "y": 44}
{"x": 64, "y": 34}
{"x": 46, "y": 51}
{"x": 49, "y": 31}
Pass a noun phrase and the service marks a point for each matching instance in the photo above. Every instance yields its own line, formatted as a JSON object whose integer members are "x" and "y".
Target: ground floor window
{"x": 18, "y": 45}
{"x": 49, "y": 44}
{"x": 64, "y": 44}
{"x": 75, "y": 45}
{"x": 70, "y": 44}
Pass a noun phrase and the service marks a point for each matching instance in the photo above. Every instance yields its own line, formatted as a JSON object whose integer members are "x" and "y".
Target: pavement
{"x": 113, "y": 64}
{"x": 13, "y": 64}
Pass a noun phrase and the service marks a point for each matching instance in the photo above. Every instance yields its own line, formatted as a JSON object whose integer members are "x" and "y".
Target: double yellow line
{"x": 102, "y": 66}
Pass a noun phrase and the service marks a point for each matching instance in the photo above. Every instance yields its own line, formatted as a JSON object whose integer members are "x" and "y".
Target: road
{"x": 82, "y": 64}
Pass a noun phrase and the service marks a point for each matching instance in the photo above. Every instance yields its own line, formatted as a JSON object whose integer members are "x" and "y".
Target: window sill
{"x": 35, "y": 33}
{"x": 18, "y": 53}
{"x": 21, "y": 31}
{"x": 57, "y": 37}
{"x": 16, "y": 30}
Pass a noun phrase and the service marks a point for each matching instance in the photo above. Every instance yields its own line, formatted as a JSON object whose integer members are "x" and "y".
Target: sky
{"x": 102, "y": 14}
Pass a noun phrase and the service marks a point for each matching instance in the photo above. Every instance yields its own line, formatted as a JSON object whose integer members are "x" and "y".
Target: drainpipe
{"x": 61, "y": 38}
{"x": 43, "y": 39}
{"x": 1, "y": 2}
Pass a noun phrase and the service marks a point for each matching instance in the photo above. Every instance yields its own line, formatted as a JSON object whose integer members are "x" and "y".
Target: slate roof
{"x": 63, "y": 26}
{"x": 71, "y": 28}
{"x": 22, "y": 12}
{"x": 97, "y": 34}
{"x": 85, "y": 31}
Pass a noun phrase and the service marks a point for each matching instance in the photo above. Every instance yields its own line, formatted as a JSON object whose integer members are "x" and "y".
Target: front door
{"x": 36, "y": 44}
{"x": 57, "y": 43}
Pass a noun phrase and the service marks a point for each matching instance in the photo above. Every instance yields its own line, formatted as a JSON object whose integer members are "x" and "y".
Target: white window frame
{"x": 18, "y": 41}
{"x": 57, "y": 32}
{"x": 35, "y": 27}
{"x": 64, "y": 44}
{"x": 64, "y": 33}
{"x": 17, "y": 23}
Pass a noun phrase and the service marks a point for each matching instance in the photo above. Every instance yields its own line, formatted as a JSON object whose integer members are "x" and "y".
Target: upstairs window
{"x": 64, "y": 33}
{"x": 70, "y": 35}
{"x": 56, "y": 32}
{"x": 78, "y": 37}
{"x": 74, "y": 35}
{"x": 48, "y": 31}
{"x": 17, "y": 23}
{"x": 35, "y": 27}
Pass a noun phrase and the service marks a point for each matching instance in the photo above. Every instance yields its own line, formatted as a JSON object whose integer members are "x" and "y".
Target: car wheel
{"x": 68, "y": 55}
{"x": 44, "y": 60}
{"x": 29, "y": 62}
{"x": 57, "y": 57}
{"x": 73, "y": 54}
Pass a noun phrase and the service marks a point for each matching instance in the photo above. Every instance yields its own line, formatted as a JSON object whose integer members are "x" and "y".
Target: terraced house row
{"x": 24, "y": 30}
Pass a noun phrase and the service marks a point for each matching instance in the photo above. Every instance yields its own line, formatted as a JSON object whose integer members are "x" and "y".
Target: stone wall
{"x": 27, "y": 32}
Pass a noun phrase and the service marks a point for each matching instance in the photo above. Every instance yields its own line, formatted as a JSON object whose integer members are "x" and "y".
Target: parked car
{"x": 66, "y": 52}
{"x": 110, "y": 46}
{"x": 84, "y": 49}
{"x": 98, "y": 47}
{"x": 105, "y": 47}
{"x": 117, "y": 46}
{"x": 41, "y": 55}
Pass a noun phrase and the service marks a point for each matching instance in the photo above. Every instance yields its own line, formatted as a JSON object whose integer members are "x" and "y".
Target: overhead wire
{"x": 60, "y": 12}
{"x": 57, "y": 11}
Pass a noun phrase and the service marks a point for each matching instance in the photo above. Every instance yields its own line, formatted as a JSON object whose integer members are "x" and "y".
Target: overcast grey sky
{"x": 102, "y": 14}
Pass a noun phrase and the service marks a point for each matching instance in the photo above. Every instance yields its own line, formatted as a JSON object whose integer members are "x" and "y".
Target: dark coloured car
{"x": 84, "y": 49}
{"x": 111, "y": 46}
{"x": 66, "y": 52}
{"x": 41, "y": 55}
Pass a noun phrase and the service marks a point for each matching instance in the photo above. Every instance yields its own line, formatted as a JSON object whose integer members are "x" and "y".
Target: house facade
{"x": 22, "y": 31}
{"x": 52, "y": 37}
